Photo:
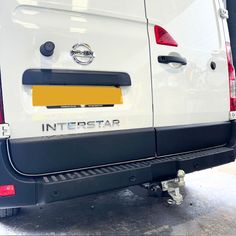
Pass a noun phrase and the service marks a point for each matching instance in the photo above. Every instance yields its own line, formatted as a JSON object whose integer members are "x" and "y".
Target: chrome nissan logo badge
{"x": 82, "y": 54}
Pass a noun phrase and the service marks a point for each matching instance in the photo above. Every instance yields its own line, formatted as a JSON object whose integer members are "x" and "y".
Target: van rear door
{"x": 89, "y": 103}
{"x": 198, "y": 91}
{"x": 189, "y": 75}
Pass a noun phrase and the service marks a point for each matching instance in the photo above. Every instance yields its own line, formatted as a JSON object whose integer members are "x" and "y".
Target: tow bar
{"x": 171, "y": 187}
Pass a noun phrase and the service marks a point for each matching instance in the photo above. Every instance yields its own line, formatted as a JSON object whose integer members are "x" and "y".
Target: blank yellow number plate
{"x": 76, "y": 95}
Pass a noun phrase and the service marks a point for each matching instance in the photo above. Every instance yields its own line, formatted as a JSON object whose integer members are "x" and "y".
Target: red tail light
{"x": 163, "y": 37}
{"x": 7, "y": 190}
{"x": 1, "y": 104}
{"x": 232, "y": 81}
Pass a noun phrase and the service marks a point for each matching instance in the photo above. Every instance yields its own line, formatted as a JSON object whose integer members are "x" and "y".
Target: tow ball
{"x": 171, "y": 188}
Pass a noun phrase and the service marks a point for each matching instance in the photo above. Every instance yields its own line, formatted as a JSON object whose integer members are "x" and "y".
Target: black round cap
{"x": 47, "y": 49}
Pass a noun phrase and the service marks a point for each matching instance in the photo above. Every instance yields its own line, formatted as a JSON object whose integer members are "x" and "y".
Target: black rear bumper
{"x": 66, "y": 153}
{"x": 63, "y": 186}
{"x": 51, "y": 188}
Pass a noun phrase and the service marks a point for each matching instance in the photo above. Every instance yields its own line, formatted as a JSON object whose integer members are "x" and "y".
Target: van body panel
{"x": 106, "y": 27}
{"x": 165, "y": 116}
{"x": 192, "y": 93}
{"x": 131, "y": 10}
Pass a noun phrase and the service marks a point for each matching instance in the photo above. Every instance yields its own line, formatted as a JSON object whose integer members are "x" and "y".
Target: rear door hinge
{"x": 224, "y": 14}
{"x": 5, "y": 131}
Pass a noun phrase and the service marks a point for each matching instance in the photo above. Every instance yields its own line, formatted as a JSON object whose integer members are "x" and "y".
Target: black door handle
{"x": 172, "y": 59}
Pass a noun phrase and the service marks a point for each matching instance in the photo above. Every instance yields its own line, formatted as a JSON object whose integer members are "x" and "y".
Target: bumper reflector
{"x": 7, "y": 190}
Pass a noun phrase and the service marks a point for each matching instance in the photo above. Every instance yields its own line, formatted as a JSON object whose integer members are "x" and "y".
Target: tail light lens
{"x": 232, "y": 81}
{"x": 7, "y": 190}
{"x": 163, "y": 37}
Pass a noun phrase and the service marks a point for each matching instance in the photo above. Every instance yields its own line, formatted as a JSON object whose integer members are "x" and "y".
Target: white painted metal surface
{"x": 193, "y": 93}
{"x": 115, "y": 30}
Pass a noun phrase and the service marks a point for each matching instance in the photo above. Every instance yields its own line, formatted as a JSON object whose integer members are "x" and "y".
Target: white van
{"x": 100, "y": 95}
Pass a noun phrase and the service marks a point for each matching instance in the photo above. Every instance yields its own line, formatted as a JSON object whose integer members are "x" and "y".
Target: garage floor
{"x": 209, "y": 209}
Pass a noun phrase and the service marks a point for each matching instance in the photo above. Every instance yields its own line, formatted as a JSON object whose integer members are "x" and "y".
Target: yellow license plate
{"x": 76, "y": 95}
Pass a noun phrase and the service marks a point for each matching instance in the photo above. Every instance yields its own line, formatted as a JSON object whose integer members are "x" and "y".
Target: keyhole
{"x": 213, "y": 65}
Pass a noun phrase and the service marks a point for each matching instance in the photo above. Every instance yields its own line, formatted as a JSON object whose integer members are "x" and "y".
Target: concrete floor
{"x": 209, "y": 209}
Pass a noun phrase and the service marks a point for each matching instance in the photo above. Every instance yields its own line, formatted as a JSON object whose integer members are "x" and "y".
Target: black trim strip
{"x": 74, "y": 77}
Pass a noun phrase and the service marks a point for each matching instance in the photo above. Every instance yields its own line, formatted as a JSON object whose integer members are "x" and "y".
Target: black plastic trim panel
{"x": 69, "y": 152}
{"x": 25, "y": 187}
{"x": 179, "y": 139}
{"x": 36, "y": 156}
{"x": 75, "y": 77}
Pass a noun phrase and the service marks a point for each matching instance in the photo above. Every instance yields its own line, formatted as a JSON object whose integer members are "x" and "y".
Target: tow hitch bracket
{"x": 173, "y": 188}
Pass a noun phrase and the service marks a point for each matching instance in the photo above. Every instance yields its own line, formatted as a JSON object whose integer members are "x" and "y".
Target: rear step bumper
{"x": 70, "y": 185}
{"x": 51, "y": 188}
